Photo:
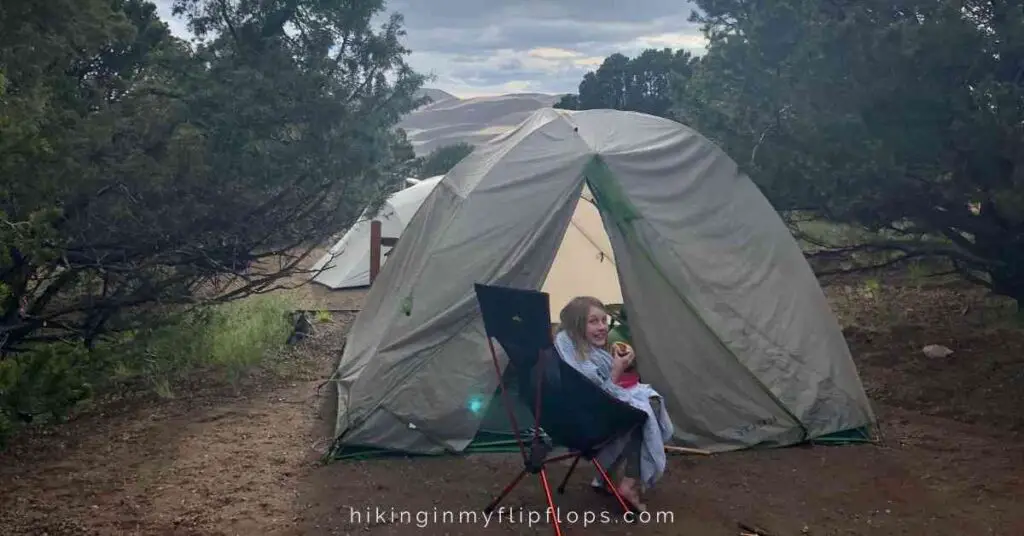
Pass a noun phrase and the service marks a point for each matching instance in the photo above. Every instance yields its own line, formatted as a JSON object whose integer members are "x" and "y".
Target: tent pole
{"x": 374, "y": 250}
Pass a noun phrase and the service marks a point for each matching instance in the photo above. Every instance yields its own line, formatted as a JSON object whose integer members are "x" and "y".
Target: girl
{"x": 582, "y": 341}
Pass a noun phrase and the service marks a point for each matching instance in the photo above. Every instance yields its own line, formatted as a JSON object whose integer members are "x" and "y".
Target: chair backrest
{"x": 574, "y": 412}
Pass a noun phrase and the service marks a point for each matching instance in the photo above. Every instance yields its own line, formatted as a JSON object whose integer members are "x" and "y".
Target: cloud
{"x": 476, "y": 48}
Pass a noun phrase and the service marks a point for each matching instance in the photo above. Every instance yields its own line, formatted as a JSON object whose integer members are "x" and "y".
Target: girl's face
{"x": 597, "y": 327}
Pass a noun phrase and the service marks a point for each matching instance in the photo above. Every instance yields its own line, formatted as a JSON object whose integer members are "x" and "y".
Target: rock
{"x": 936, "y": 351}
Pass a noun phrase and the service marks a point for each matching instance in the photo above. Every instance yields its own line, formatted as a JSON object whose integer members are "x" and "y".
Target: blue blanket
{"x": 657, "y": 429}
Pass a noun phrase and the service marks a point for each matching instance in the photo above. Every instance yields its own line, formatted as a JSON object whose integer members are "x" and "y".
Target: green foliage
{"x": 43, "y": 383}
{"x": 145, "y": 179}
{"x": 226, "y": 341}
{"x": 139, "y": 171}
{"x": 323, "y": 316}
{"x": 229, "y": 339}
{"x": 899, "y": 117}
{"x": 441, "y": 160}
{"x": 641, "y": 84}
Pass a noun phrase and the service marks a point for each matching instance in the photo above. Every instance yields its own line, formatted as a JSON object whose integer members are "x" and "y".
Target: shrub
{"x": 45, "y": 384}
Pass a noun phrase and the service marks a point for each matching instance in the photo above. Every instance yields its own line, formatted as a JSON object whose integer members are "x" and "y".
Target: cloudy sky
{"x": 477, "y": 47}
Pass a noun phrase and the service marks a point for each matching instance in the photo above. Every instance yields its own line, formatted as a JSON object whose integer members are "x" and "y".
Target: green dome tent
{"x": 731, "y": 324}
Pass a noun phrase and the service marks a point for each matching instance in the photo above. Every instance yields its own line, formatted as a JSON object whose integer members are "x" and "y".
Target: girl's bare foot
{"x": 628, "y": 491}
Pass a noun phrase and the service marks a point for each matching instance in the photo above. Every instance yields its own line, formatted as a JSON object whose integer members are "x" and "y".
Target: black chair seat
{"x": 574, "y": 412}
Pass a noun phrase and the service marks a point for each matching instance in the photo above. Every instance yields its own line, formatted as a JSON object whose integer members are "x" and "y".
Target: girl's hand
{"x": 624, "y": 351}
{"x": 629, "y": 355}
{"x": 620, "y": 361}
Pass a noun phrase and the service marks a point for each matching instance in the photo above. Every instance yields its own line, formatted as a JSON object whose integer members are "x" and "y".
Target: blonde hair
{"x": 573, "y": 320}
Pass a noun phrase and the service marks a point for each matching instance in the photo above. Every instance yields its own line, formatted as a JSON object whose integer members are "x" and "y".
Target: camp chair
{"x": 574, "y": 412}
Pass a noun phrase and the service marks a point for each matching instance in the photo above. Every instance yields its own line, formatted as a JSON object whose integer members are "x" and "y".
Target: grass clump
{"x": 228, "y": 339}
{"x": 323, "y": 316}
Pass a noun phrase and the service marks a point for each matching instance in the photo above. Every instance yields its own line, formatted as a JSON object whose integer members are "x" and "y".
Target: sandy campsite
{"x": 218, "y": 462}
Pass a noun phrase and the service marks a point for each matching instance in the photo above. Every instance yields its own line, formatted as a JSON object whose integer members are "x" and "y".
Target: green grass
{"x": 229, "y": 340}
{"x": 220, "y": 343}
{"x": 244, "y": 334}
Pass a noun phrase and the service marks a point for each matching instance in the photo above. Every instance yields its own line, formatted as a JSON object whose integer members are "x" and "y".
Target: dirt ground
{"x": 222, "y": 462}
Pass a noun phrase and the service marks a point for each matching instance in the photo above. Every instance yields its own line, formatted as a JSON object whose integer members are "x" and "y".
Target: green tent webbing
{"x": 846, "y": 437}
{"x": 496, "y": 436}
{"x": 491, "y": 442}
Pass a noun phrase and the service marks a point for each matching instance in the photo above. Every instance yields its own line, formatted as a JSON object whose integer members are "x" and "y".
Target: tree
{"x": 138, "y": 172}
{"x": 569, "y": 101}
{"x": 642, "y": 84}
{"x": 902, "y": 117}
{"x": 443, "y": 159}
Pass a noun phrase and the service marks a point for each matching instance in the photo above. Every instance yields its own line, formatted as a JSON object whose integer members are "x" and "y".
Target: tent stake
{"x": 685, "y": 450}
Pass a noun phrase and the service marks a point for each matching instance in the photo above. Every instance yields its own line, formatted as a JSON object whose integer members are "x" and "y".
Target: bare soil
{"x": 219, "y": 461}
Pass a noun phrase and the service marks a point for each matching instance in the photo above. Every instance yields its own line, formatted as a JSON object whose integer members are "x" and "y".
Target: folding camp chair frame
{"x": 535, "y": 458}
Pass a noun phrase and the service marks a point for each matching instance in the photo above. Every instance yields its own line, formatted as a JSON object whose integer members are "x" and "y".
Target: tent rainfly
{"x": 728, "y": 320}
{"x": 347, "y": 263}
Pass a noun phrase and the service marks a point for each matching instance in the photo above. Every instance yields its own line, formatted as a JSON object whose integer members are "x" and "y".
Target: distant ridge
{"x": 449, "y": 119}
{"x": 436, "y": 95}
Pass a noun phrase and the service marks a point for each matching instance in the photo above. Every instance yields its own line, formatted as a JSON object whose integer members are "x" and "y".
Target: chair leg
{"x": 561, "y": 487}
{"x": 611, "y": 485}
{"x": 551, "y": 502}
{"x": 508, "y": 489}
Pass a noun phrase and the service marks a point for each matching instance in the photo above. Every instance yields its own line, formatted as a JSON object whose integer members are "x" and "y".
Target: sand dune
{"x": 436, "y": 95}
{"x": 450, "y": 120}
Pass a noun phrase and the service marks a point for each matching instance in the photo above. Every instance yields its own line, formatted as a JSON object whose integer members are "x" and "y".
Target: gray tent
{"x": 728, "y": 320}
